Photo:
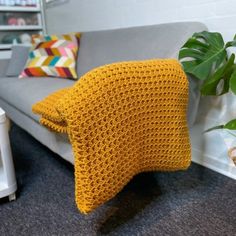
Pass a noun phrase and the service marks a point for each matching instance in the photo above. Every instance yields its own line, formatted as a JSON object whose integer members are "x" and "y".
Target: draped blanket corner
{"x": 122, "y": 119}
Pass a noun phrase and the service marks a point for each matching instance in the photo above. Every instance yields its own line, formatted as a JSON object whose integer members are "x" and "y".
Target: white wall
{"x": 86, "y": 15}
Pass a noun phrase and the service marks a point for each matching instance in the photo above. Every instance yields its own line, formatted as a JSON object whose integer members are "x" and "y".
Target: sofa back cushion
{"x": 138, "y": 43}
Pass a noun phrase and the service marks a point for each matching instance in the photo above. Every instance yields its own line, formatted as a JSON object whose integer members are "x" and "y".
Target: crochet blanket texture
{"x": 121, "y": 119}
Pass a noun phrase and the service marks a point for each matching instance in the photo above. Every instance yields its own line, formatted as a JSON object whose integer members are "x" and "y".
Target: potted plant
{"x": 206, "y": 57}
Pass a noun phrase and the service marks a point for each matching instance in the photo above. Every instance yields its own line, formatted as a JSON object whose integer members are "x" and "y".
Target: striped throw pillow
{"x": 37, "y": 38}
{"x": 54, "y": 58}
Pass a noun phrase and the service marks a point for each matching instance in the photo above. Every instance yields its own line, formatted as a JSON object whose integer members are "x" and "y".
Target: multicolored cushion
{"x": 37, "y": 38}
{"x": 55, "y": 57}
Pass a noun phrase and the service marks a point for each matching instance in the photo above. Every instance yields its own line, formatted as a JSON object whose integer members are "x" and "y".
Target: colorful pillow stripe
{"x": 56, "y": 58}
{"x": 37, "y": 38}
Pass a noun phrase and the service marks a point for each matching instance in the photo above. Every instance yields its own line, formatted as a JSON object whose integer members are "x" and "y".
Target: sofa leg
{"x": 12, "y": 197}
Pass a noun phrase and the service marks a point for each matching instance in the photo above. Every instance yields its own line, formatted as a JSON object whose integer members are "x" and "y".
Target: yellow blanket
{"x": 122, "y": 119}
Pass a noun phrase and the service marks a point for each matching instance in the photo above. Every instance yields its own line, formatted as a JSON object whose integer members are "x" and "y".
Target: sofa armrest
{"x": 3, "y": 67}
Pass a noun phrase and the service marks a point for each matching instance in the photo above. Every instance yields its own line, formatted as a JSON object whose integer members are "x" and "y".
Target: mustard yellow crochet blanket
{"x": 122, "y": 119}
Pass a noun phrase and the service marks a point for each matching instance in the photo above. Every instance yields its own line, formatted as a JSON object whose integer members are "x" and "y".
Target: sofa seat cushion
{"x": 23, "y": 93}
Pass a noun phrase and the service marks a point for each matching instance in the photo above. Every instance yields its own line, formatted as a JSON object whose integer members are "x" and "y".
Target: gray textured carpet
{"x": 195, "y": 202}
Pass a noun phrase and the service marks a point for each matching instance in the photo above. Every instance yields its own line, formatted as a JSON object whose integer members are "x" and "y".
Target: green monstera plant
{"x": 205, "y": 56}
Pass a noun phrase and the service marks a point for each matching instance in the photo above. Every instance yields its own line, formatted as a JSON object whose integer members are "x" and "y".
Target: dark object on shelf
{"x": 10, "y": 38}
{"x": 12, "y": 21}
{"x": 31, "y": 19}
{"x": 1, "y": 19}
{"x": 18, "y": 19}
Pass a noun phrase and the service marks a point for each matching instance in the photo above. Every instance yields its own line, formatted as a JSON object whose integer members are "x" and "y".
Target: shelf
{"x": 5, "y": 54}
{"x": 23, "y": 27}
{"x": 9, "y": 46}
{"x": 19, "y": 9}
{"x": 5, "y": 46}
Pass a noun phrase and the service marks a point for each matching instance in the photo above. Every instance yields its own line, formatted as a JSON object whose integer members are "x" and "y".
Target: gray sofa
{"x": 96, "y": 48}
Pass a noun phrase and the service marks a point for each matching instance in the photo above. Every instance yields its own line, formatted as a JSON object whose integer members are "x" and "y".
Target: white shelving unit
{"x": 19, "y": 21}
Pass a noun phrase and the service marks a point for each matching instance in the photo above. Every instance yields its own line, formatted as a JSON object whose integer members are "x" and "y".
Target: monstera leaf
{"x": 202, "y": 53}
{"x": 205, "y": 56}
{"x": 224, "y": 74}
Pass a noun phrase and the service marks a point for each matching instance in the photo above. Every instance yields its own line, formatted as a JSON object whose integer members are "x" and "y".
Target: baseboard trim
{"x": 213, "y": 164}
